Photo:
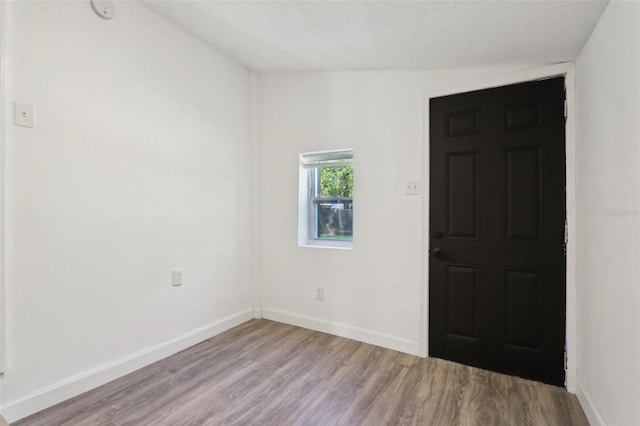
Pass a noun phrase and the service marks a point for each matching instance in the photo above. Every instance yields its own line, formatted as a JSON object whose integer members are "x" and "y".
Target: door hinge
{"x": 566, "y": 237}
{"x": 566, "y": 109}
{"x": 566, "y": 361}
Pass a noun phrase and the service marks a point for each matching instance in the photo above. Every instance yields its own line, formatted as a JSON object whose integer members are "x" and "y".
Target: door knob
{"x": 437, "y": 252}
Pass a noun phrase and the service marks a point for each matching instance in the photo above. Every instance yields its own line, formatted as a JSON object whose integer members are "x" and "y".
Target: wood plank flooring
{"x": 267, "y": 373}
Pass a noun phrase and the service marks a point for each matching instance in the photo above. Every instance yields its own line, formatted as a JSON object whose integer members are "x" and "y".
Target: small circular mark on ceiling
{"x": 103, "y": 8}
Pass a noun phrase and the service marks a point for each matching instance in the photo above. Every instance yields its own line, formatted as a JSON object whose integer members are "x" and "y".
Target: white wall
{"x": 138, "y": 164}
{"x": 608, "y": 135}
{"x": 374, "y": 292}
{"x": 2, "y": 126}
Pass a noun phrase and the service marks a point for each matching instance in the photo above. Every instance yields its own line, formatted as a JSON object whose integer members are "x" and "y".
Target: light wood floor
{"x": 267, "y": 373}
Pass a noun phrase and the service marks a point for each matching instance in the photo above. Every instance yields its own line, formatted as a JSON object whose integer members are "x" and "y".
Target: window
{"x": 325, "y": 208}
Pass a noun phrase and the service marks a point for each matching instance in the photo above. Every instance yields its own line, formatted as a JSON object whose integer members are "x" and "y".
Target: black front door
{"x": 497, "y": 220}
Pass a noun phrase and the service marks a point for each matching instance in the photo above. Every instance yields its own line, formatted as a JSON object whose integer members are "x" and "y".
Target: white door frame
{"x": 559, "y": 70}
{"x": 2, "y": 191}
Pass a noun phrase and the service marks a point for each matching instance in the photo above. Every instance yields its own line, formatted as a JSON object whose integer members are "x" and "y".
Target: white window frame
{"x": 310, "y": 165}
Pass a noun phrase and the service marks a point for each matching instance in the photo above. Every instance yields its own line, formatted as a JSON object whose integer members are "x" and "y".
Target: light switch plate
{"x": 413, "y": 187}
{"x": 24, "y": 115}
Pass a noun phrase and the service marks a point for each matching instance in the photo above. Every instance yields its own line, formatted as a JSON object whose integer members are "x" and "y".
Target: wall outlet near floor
{"x": 24, "y": 115}
{"x": 320, "y": 293}
{"x": 176, "y": 277}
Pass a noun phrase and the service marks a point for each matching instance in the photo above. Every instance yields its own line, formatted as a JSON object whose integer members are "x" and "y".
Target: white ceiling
{"x": 355, "y": 35}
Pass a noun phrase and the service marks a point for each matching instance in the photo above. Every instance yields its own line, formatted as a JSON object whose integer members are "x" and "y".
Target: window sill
{"x": 327, "y": 246}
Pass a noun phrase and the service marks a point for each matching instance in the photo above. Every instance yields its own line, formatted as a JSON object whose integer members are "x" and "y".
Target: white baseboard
{"x": 83, "y": 382}
{"x": 344, "y": 330}
{"x": 257, "y": 313}
{"x": 589, "y": 407}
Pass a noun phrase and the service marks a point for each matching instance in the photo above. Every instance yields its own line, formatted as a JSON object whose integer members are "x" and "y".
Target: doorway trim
{"x": 566, "y": 70}
{"x": 3, "y": 234}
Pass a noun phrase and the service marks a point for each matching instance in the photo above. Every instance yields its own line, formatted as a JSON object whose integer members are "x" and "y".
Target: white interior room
{"x": 168, "y": 137}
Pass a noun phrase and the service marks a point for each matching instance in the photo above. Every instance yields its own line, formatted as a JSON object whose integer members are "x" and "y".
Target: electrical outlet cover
{"x": 176, "y": 277}
{"x": 24, "y": 115}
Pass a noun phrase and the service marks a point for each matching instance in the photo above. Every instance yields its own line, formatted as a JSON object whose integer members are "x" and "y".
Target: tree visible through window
{"x": 335, "y": 204}
{"x": 330, "y": 196}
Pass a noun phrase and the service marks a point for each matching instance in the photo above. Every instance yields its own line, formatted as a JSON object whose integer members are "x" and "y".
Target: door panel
{"x": 462, "y": 195}
{"x": 462, "y": 283}
{"x": 523, "y": 194}
{"x": 522, "y": 302}
{"x": 497, "y": 212}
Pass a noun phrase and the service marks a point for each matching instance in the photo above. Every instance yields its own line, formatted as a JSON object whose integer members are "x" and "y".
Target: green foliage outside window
{"x": 336, "y": 181}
